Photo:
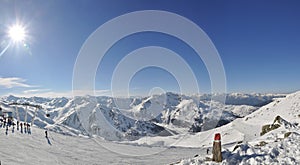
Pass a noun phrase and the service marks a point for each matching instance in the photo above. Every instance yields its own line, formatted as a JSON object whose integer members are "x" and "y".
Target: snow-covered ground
{"x": 286, "y": 151}
{"x": 18, "y": 148}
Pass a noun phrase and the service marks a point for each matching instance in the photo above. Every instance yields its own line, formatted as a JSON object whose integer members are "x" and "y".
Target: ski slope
{"x": 17, "y": 148}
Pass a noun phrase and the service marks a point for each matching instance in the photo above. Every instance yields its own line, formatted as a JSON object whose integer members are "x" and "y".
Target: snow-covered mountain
{"x": 269, "y": 134}
{"x": 131, "y": 118}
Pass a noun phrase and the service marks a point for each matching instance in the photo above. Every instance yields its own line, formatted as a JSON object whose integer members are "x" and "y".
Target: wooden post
{"x": 217, "y": 154}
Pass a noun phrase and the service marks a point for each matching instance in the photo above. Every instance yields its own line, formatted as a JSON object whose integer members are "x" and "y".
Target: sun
{"x": 17, "y": 33}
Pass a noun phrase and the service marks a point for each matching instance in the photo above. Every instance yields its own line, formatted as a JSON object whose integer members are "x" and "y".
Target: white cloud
{"x": 31, "y": 91}
{"x": 11, "y": 82}
{"x": 52, "y": 94}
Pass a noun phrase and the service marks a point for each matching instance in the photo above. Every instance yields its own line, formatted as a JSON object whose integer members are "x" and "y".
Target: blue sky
{"x": 258, "y": 42}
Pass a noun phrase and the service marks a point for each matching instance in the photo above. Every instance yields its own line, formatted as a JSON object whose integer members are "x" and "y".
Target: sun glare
{"x": 17, "y": 33}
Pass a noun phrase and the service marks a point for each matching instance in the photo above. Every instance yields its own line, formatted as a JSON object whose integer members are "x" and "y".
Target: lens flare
{"x": 17, "y": 33}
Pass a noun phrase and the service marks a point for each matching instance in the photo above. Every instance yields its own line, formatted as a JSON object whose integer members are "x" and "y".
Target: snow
{"x": 80, "y": 129}
{"x": 286, "y": 151}
{"x": 17, "y": 148}
{"x": 132, "y": 118}
{"x": 277, "y": 150}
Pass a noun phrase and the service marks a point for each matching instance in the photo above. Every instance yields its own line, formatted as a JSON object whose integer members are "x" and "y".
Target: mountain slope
{"x": 279, "y": 145}
{"x": 245, "y": 129}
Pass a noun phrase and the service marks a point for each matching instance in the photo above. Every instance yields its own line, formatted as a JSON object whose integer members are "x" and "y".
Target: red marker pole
{"x": 217, "y": 154}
